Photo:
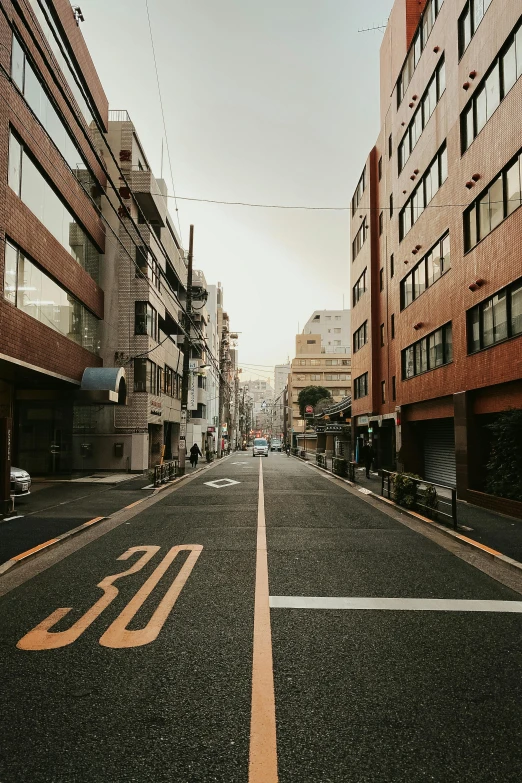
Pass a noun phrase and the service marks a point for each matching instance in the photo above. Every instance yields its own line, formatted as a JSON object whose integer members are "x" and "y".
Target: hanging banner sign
{"x": 192, "y": 401}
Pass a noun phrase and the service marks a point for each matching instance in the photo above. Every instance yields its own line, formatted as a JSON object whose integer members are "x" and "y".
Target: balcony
{"x": 147, "y": 193}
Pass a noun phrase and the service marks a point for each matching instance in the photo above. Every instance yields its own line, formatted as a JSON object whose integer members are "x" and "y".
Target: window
{"x": 379, "y": 168}
{"x": 432, "y": 266}
{"x": 311, "y": 342}
{"x": 302, "y": 362}
{"x": 27, "y": 181}
{"x": 432, "y": 351}
{"x": 392, "y": 265}
{"x": 499, "y": 200}
{"x": 359, "y": 288}
{"x": 337, "y": 317}
{"x": 31, "y": 290}
{"x": 430, "y": 183}
{"x": 505, "y": 69}
{"x": 146, "y": 376}
{"x": 381, "y": 279}
{"x": 360, "y": 337}
{"x": 360, "y": 239}
{"x": 469, "y": 20}
{"x": 171, "y": 382}
{"x": 392, "y": 325}
{"x": 337, "y": 342}
{"x": 381, "y": 223}
{"x": 316, "y": 377}
{"x": 390, "y": 146}
{"x": 42, "y": 106}
{"x": 360, "y": 386}
{"x": 394, "y": 389}
{"x": 315, "y": 362}
{"x": 383, "y": 392}
{"x": 59, "y": 48}
{"x": 359, "y": 190}
{"x": 337, "y": 330}
{"x": 391, "y": 205}
{"x": 382, "y": 335}
{"x": 496, "y": 319}
{"x": 430, "y": 13}
{"x": 145, "y": 319}
{"x": 331, "y": 377}
{"x": 425, "y": 109}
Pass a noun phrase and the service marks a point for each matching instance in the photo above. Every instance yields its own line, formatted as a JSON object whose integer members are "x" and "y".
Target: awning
{"x": 103, "y": 386}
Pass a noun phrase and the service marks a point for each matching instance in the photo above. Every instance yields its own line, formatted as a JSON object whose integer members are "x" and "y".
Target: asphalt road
{"x": 147, "y": 689}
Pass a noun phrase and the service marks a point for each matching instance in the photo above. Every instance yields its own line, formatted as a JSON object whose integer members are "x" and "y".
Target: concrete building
{"x": 52, "y": 237}
{"x": 334, "y": 328}
{"x": 314, "y": 365}
{"x": 281, "y": 372}
{"x": 436, "y": 272}
{"x": 214, "y": 304}
{"x": 145, "y": 280}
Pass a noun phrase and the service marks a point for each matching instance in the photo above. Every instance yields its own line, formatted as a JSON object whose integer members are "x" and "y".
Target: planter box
{"x": 512, "y": 508}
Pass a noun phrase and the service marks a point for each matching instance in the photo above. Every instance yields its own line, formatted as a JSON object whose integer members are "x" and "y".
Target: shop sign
{"x": 211, "y": 429}
{"x": 362, "y": 421}
{"x": 193, "y": 365}
{"x": 156, "y": 408}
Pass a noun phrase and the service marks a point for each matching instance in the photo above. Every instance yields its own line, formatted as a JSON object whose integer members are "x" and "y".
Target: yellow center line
{"x": 92, "y": 521}
{"x": 263, "y": 741}
{"x": 136, "y": 502}
{"x": 35, "y": 549}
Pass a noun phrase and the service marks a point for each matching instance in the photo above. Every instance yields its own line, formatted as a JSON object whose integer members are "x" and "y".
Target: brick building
{"x": 51, "y": 235}
{"x": 436, "y": 263}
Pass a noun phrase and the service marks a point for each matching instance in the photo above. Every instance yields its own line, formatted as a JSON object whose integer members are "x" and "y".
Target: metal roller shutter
{"x": 439, "y": 452}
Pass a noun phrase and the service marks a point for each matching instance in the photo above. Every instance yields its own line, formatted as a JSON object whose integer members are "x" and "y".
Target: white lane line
{"x": 8, "y": 519}
{"x": 396, "y": 604}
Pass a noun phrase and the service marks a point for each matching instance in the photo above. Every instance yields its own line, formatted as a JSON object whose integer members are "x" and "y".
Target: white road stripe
{"x": 396, "y": 604}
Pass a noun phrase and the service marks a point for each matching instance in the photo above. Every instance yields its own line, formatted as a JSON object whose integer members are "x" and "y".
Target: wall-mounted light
{"x": 411, "y": 104}
{"x": 473, "y": 287}
{"x": 472, "y": 74}
{"x": 475, "y": 177}
{"x": 414, "y": 251}
{"x": 406, "y": 261}
{"x": 480, "y": 281}
{"x": 418, "y": 247}
{"x": 466, "y": 86}
{"x": 415, "y": 171}
{"x": 436, "y": 49}
{"x": 404, "y": 191}
{"x": 418, "y": 326}
{"x": 414, "y": 97}
{"x": 412, "y": 176}
{"x": 470, "y": 185}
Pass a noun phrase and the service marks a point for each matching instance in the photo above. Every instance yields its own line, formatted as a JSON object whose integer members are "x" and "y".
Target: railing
{"x": 436, "y": 500}
{"x": 165, "y": 472}
{"x": 119, "y": 115}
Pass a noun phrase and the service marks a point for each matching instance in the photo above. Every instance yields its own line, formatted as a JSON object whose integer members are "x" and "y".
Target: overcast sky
{"x": 266, "y": 101}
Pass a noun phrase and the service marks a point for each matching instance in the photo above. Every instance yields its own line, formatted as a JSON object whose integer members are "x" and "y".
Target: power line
{"x": 163, "y": 116}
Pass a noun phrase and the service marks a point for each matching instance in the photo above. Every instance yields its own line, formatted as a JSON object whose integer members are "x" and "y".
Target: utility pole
{"x": 186, "y": 358}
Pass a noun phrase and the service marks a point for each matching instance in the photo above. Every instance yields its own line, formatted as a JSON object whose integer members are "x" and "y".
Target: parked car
{"x": 20, "y": 481}
{"x": 275, "y": 444}
{"x": 260, "y": 447}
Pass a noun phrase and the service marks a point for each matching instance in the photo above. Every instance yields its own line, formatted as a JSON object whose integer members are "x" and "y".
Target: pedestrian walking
{"x": 195, "y": 453}
{"x": 368, "y": 455}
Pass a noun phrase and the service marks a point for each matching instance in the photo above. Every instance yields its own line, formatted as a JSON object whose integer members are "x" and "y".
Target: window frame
{"x": 479, "y": 309}
{"x": 423, "y": 348}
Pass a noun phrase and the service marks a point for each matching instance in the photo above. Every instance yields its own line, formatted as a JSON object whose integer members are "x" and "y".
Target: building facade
{"x": 334, "y": 328}
{"x": 315, "y": 365}
{"x": 436, "y": 272}
{"x": 52, "y": 237}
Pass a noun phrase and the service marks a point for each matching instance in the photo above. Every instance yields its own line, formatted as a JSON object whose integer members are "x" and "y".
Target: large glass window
{"x": 146, "y": 376}
{"x": 359, "y": 288}
{"x": 500, "y": 78}
{"x": 435, "y": 176}
{"x": 359, "y": 190}
{"x": 59, "y": 50}
{"x": 420, "y": 39}
{"x": 496, "y": 319}
{"x": 493, "y": 205}
{"x": 360, "y": 386}
{"x": 432, "y": 351}
{"x": 360, "y": 239}
{"x": 360, "y": 337}
{"x": 425, "y": 109}
{"x": 31, "y": 290}
{"x": 37, "y": 194}
{"x": 39, "y": 101}
{"x": 469, "y": 21}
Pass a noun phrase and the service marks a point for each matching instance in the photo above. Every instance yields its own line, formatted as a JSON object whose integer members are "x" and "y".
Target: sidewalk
{"x": 496, "y": 531}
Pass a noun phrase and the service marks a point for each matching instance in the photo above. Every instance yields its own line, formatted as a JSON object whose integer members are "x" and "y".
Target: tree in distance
{"x": 311, "y": 395}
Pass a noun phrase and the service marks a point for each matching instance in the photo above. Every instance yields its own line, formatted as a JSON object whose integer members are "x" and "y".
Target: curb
{"x": 30, "y": 553}
{"x": 469, "y": 542}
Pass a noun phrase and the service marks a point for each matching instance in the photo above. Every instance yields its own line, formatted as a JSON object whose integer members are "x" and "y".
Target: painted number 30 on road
{"x": 117, "y": 634}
